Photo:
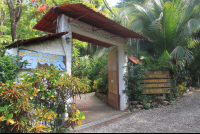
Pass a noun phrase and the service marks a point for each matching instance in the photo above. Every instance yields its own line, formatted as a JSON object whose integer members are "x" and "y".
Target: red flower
{"x": 67, "y": 3}
{"x": 42, "y": 8}
{"x": 33, "y": 1}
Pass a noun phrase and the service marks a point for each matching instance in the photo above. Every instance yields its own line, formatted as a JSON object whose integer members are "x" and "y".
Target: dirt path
{"x": 182, "y": 117}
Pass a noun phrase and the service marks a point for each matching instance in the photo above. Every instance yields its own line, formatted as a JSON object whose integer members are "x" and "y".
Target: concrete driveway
{"x": 95, "y": 110}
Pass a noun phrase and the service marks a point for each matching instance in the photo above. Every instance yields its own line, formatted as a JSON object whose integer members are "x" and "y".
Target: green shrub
{"x": 146, "y": 106}
{"x": 132, "y": 79}
{"x": 8, "y": 67}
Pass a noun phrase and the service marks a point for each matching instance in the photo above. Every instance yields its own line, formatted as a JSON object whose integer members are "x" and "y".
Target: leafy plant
{"x": 37, "y": 103}
{"x": 8, "y": 67}
{"x": 132, "y": 79}
{"x": 146, "y": 106}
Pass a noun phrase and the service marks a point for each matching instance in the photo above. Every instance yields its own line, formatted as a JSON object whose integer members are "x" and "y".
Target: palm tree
{"x": 169, "y": 24}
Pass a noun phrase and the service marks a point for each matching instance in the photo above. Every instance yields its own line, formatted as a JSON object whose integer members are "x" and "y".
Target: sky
{"x": 112, "y": 2}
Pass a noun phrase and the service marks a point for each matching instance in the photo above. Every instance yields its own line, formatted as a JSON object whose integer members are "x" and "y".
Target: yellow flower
{"x": 34, "y": 94}
{"x": 83, "y": 117}
{"x": 79, "y": 123}
{"x": 1, "y": 118}
{"x": 37, "y": 90}
{"x": 54, "y": 99}
{"x": 49, "y": 130}
{"x": 11, "y": 121}
{"x": 49, "y": 117}
{"x": 52, "y": 96}
{"x": 1, "y": 94}
{"x": 77, "y": 111}
{"x": 55, "y": 115}
{"x": 73, "y": 119}
{"x": 14, "y": 82}
{"x": 66, "y": 118}
{"x": 3, "y": 84}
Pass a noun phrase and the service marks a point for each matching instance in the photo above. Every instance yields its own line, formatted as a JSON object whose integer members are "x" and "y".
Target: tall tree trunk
{"x": 15, "y": 15}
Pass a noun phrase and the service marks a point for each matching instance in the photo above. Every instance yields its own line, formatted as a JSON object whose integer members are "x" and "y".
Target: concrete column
{"x": 64, "y": 26}
{"x": 122, "y": 61}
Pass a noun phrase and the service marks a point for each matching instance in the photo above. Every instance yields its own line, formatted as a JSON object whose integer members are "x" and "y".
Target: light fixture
{"x": 67, "y": 39}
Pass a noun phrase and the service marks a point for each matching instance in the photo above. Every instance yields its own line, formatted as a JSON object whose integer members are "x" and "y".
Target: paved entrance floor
{"x": 95, "y": 110}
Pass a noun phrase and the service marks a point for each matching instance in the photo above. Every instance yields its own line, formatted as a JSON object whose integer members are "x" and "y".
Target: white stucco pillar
{"x": 64, "y": 26}
{"x": 122, "y": 61}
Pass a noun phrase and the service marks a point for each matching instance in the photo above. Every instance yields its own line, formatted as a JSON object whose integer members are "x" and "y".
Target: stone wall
{"x": 101, "y": 96}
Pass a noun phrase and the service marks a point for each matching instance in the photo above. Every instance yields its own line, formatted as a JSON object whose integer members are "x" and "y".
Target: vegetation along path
{"x": 182, "y": 117}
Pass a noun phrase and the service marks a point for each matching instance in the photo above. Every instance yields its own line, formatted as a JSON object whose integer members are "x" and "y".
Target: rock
{"x": 165, "y": 102}
{"x": 139, "y": 106}
{"x": 150, "y": 101}
{"x": 134, "y": 102}
{"x": 142, "y": 102}
{"x": 154, "y": 103}
{"x": 191, "y": 88}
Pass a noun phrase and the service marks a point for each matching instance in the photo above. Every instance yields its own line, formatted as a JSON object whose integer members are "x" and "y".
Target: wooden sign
{"x": 157, "y": 91}
{"x": 157, "y": 74}
{"x": 156, "y": 82}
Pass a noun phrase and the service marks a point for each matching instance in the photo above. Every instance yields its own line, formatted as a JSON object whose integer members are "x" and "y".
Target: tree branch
{"x": 18, "y": 12}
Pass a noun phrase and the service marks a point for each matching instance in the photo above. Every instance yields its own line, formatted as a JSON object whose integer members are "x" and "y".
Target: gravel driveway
{"x": 182, "y": 117}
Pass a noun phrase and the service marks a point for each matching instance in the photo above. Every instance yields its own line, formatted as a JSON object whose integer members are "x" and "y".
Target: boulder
{"x": 134, "y": 102}
{"x": 191, "y": 88}
{"x": 142, "y": 102}
{"x": 165, "y": 102}
{"x": 139, "y": 106}
{"x": 150, "y": 101}
{"x": 154, "y": 103}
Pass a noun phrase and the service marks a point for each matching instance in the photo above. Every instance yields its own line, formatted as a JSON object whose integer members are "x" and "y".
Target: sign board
{"x": 156, "y": 82}
{"x": 157, "y": 91}
{"x": 157, "y": 74}
{"x": 31, "y": 59}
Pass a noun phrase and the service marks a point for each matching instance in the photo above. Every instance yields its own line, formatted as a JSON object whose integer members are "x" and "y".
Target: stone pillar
{"x": 122, "y": 61}
{"x": 64, "y": 26}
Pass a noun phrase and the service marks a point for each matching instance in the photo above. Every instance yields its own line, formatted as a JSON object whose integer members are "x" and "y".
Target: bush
{"x": 132, "y": 79}
{"x": 8, "y": 67}
{"x": 102, "y": 81}
{"x": 37, "y": 103}
{"x": 146, "y": 106}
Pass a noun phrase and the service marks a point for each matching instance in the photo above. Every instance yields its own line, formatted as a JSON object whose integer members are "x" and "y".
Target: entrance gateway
{"x": 81, "y": 22}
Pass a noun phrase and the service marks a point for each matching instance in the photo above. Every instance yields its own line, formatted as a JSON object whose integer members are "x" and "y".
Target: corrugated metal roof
{"x": 134, "y": 59}
{"x": 36, "y": 39}
{"x": 85, "y": 14}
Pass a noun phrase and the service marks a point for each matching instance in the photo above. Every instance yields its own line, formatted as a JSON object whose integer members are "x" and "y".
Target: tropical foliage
{"x": 37, "y": 103}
